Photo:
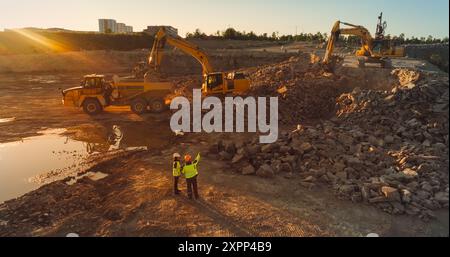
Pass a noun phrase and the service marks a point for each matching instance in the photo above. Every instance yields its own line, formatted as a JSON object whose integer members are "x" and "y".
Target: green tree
{"x": 230, "y": 33}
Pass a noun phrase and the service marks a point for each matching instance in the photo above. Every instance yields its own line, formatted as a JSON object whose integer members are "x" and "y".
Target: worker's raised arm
{"x": 197, "y": 159}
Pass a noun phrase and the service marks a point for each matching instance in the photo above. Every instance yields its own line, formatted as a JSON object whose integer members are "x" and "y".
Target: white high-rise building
{"x": 107, "y": 26}
{"x": 112, "y": 26}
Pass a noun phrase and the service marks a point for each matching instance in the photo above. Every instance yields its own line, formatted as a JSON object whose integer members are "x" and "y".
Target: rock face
{"x": 387, "y": 148}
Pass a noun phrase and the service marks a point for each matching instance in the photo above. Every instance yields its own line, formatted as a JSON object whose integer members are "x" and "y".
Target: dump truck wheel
{"x": 386, "y": 63}
{"x": 157, "y": 106}
{"x": 361, "y": 63}
{"x": 92, "y": 106}
{"x": 138, "y": 106}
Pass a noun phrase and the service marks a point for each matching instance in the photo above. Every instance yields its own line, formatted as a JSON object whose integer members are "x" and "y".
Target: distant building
{"x": 152, "y": 30}
{"x": 112, "y": 26}
{"x": 107, "y": 26}
{"x": 121, "y": 28}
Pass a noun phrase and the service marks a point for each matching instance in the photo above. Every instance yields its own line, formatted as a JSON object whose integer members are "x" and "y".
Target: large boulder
{"x": 391, "y": 193}
{"x": 265, "y": 171}
{"x": 238, "y": 158}
{"x": 225, "y": 156}
{"x": 248, "y": 170}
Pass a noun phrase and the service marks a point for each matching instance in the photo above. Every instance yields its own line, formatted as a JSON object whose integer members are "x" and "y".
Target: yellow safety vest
{"x": 176, "y": 170}
{"x": 190, "y": 170}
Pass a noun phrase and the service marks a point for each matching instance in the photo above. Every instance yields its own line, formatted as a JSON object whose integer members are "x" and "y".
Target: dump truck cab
{"x": 95, "y": 93}
{"x": 225, "y": 83}
{"x": 92, "y": 94}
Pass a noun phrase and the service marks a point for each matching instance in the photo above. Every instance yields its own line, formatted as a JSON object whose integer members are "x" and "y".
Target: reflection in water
{"x": 113, "y": 141}
{"x": 115, "y": 137}
{"x": 26, "y": 164}
{"x": 34, "y": 161}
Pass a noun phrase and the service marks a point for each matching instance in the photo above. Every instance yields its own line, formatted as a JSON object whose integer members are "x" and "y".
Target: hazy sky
{"x": 412, "y": 17}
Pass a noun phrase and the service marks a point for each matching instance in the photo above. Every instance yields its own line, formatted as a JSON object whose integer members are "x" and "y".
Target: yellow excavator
{"x": 213, "y": 82}
{"x": 373, "y": 50}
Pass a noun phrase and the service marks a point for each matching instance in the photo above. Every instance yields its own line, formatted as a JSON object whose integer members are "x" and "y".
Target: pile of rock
{"x": 305, "y": 90}
{"x": 387, "y": 148}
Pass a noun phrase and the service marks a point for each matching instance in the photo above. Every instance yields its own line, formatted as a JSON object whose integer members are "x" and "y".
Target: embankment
{"x": 174, "y": 63}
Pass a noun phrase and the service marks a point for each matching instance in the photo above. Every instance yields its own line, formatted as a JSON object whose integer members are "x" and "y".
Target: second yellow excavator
{"x": 373, "y": 50}
{"x": 213, "y": 82}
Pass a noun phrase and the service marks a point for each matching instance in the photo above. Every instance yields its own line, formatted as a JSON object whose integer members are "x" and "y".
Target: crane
{"x": 213, "y": 82}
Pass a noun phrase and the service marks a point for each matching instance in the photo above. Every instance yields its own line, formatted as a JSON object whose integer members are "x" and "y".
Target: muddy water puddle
{"x": 23, "y": 161}
{"x": 59, "y": 153}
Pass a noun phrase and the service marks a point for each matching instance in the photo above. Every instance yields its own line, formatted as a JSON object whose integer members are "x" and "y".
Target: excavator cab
{"x": 214, "y": 82}
{"x": 223, "y": 83}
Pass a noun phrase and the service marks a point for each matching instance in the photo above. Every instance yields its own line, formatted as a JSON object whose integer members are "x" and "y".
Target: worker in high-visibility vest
{"x": 190, "y": 171}
{"x": 176, "y": 172}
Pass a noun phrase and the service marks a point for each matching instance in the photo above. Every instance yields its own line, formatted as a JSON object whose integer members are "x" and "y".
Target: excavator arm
{"x": 361, "y": 32}
{"x": 213, "y": 82}
{"x": 162, "y": 38}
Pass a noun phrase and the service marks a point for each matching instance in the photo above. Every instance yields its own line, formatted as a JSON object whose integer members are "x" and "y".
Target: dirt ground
{"x": 136, "y": 199}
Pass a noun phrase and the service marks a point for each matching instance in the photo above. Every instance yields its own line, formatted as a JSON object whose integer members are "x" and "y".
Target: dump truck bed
{"x": 126, "y": 90}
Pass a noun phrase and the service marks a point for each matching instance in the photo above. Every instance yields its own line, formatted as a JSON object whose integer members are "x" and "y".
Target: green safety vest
{"x": 190, "y": 170}
{"x": 176, "y": 170}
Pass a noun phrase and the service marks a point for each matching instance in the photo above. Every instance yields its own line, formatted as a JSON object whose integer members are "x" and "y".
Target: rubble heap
{"x": 305, "y": 90}
{"x": 387, "y": 148}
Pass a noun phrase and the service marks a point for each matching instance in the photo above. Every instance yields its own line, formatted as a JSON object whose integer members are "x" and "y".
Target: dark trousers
{"x": 192, "y": 186}
{"x": 175, "y": 185}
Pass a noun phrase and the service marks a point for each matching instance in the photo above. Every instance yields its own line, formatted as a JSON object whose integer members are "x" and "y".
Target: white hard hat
{"x": 176, "y": 155}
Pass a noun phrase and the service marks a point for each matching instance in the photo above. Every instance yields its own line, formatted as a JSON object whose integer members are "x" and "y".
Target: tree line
{"x": 14, "y": 43}
{"x": 231, "y": 33}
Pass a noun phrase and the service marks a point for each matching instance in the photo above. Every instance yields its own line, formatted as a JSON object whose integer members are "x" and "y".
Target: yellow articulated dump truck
{"x": 95, "y": 93}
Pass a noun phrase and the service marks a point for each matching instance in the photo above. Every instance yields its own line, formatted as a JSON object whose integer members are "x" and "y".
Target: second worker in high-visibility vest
{"x": 190, "y": 171}
{"x": 176, "y": 172}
